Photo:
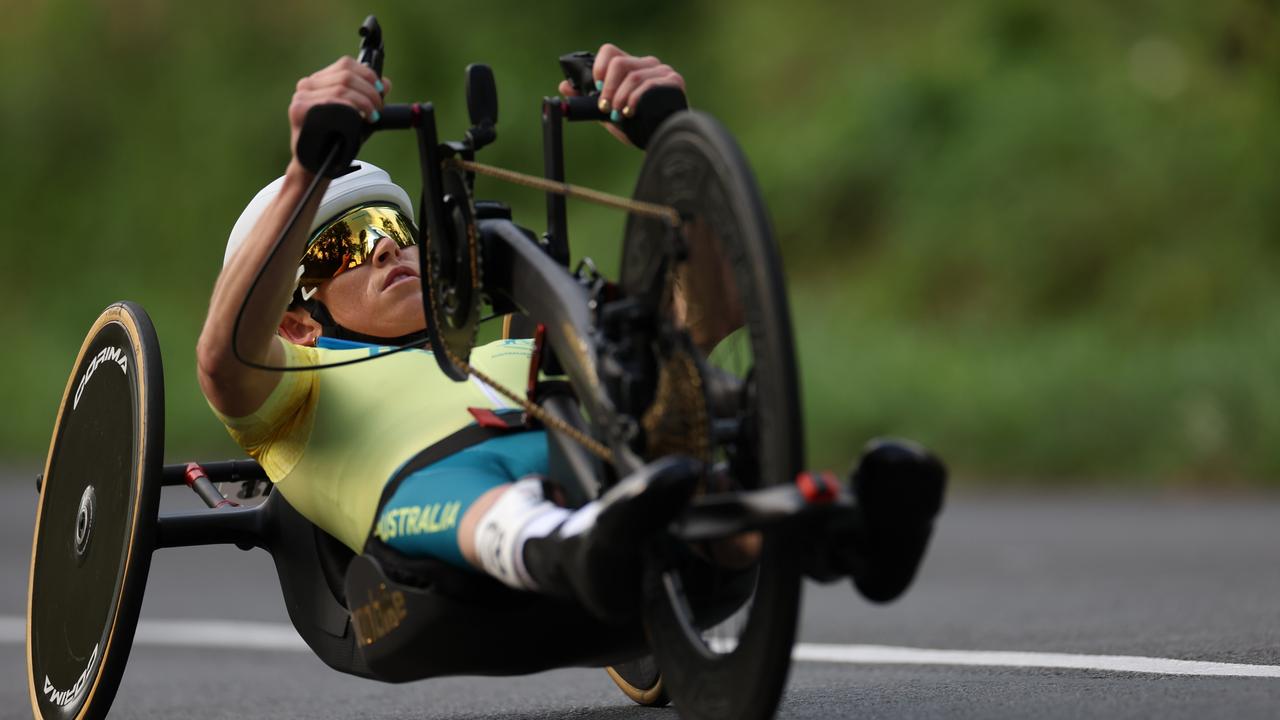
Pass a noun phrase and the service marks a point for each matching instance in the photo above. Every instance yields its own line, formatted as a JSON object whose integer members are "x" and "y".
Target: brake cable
{"x": 536, "y": 411}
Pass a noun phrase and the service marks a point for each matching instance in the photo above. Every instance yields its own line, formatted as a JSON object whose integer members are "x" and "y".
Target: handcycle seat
{"x": 395, "y": 618}
{"x": 418, "y": 617}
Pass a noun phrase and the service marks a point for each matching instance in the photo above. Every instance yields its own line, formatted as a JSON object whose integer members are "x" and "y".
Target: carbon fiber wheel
{"x": 641, "y": 681}
{"x": 96, "y": 519}
{"x": 721, "y": 628}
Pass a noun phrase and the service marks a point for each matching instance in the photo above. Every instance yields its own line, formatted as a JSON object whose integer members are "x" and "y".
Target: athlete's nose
{"x": 385, "y": 252}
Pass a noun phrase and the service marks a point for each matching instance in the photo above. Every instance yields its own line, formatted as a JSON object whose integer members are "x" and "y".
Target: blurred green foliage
{"x": 1040, "y": 237}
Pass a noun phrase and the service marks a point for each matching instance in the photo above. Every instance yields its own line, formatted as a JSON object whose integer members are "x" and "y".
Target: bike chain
{"x": 639, "y": 207}
{"x": 677, "y": 420}
{"x": 535, "y": 410}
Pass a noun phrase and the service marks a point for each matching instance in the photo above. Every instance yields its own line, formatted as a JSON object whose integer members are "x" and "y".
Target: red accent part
{"x": 488, "y": 418}
{"x": 535, "y": 362}
{"x": 564, "y": 107}
{"x": 415, "y": 115}
{"x": 232, "y": 503}
{"x": 817, "y": 489}
{"x": 193, "y": 473}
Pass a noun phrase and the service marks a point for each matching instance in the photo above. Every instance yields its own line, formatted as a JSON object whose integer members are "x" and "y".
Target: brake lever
{"x": 577, "y": 68}
{"x": 372, "y": 51}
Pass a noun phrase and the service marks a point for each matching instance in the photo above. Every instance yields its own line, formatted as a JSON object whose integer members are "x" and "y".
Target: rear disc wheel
{"x": 96, "y": 518}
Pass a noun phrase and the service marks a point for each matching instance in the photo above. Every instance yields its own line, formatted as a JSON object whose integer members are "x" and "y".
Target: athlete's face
{"x": 382, "y": 297}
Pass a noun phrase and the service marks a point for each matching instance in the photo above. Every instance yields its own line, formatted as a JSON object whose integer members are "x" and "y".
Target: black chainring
{"x": 452, "y": 277}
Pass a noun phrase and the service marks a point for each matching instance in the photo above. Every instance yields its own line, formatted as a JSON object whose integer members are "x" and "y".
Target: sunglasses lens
{"x": 349, "y": 241}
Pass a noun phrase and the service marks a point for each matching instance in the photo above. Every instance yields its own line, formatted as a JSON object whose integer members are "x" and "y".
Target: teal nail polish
{"x": 599, "y": 84}
{"x": 379, "y": 86}
{"x": 615, "y": 116}
{"x": 375, "y": 117}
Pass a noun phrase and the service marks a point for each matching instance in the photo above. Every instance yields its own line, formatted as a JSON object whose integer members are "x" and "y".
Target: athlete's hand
{"x": 626, "y": 79}
{"x": 345, "y": 81}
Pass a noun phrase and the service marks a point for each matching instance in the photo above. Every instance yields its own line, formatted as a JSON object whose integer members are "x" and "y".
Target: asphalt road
{"x": 1182, "y": 578}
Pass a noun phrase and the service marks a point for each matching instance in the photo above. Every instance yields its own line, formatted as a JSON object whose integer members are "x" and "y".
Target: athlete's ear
{"x": 298, "y": 327}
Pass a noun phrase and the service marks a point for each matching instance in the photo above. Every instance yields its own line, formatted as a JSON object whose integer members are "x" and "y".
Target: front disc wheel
{"x": 721, "y": 617}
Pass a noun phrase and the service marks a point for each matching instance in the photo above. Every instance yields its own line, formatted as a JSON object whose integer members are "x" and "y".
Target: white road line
{"x": 887, "y": 655}
{"x": 277, "y": 636}
{"x": 219, "y": 634}
{"x": 237, "y": 634}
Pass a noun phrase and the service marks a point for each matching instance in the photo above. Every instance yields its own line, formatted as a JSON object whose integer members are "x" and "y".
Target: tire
{"x": 96, "y": 519}
{"x": 641, "y": 681}
{"x": 727, "y": 296}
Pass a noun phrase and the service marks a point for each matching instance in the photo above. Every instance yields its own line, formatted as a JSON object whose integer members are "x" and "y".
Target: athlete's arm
{"x": 233, "y": 388}
{"x": 626, "y": 78}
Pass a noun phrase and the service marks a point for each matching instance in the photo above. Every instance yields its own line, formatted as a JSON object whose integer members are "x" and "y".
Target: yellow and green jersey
{"x": 330, "y": 440}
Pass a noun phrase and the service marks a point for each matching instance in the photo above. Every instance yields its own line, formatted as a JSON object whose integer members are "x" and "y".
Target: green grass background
{"x": 1040, "y": 237}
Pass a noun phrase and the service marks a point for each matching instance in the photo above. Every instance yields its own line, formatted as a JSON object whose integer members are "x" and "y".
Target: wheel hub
{"x": 85, "y": 520}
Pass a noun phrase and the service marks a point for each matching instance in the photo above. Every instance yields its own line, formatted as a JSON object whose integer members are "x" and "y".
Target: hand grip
{"x": 398, "y": 117}
{"x": 655, "y": 106}
{"x": 651, "y": 110}
{"x": 329, "y": 128}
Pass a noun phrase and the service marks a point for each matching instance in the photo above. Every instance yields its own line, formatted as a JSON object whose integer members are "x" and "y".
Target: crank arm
{"x": 898, "y": 489}
{"x": 815, "y": 498}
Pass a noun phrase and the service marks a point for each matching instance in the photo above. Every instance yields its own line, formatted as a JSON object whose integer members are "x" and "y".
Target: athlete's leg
{"x": 592, "y": 554}
{"x": 434, "y": 510}
{"x": 467, "y": 511}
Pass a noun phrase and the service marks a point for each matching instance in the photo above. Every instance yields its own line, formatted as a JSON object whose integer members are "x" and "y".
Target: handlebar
{"x": 400, "y": 116}
{"x": 327, "y": 126}
{"x": 338, "y": 129}
{"x": 654, "y": 106}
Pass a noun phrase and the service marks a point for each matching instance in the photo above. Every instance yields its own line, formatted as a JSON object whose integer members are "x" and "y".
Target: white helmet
{"x": 368, "y": 183}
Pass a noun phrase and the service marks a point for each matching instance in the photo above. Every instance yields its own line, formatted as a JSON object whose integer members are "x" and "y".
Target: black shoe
{"x": 899, "y": 488}
{"x": 595, "y": 555}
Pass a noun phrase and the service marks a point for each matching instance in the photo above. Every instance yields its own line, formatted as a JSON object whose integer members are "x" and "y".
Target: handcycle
{"x": 686, "y": 355}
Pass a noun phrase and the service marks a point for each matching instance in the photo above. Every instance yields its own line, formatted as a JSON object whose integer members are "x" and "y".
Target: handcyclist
{"x": 330, "y": 441}
{"x": 338, "y": 444}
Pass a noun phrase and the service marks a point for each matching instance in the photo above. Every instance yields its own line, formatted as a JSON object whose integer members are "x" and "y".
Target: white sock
{"x": 521, "y": 513}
